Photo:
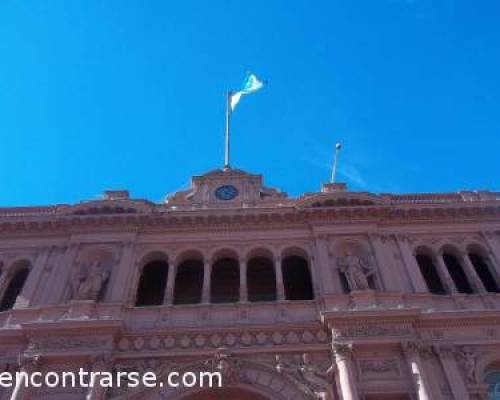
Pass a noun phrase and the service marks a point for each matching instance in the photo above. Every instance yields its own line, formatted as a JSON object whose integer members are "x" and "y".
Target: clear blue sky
{"x": 97, "y": 95}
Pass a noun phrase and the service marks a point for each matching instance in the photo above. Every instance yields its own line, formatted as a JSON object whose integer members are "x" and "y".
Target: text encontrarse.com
{"x": 120, "y": 379}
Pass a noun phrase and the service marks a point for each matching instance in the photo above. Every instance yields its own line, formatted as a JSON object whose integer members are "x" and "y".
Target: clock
{"x": 226, "y": 192}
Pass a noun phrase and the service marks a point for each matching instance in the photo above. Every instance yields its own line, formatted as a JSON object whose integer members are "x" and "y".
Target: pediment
{"x": 223, "y": 188}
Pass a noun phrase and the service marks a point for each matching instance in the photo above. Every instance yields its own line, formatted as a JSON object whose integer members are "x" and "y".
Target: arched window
{"x": 430, "y": 274}
{"x": 297, "y": 278}
{"x": 188, "y": 282}
{"x": 492, "y": 379}
{"x": 483, "y": 271}
{"x": 151, "y": 289}
{"x": 14, "y": 288}
{"x": 261, "y": 279}
{"x": 457, "y": 273}
{"x": 225, "y": 281}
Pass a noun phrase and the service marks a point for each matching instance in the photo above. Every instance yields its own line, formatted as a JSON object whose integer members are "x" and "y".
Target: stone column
{"x": 169, "y": 290}
{"x": 123, "y": 273}
{"x": 3, "y": 278}
{"x": 416, "y": 366}
{"x": 445, "y": 274}
{"x": 100, "y": 363}
{"x": 494, "y": 256}
{"x": 280, "y": 288}
{"x": 411, "y": 265}
{"x": 27, "y": 365}
{"x": 207, "y": 272}
{"x": 470, "y": 271}
{"x": 456, "y": 383}
{"x": 493, "y": 243}
{"x": 243, "y": 281}
{"x": 345, "y": 369}
{"x": 25, "y": 298}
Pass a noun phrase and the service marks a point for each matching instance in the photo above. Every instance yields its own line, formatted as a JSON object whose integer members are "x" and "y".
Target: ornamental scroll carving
{"x": 357, "y": 270}
{"x": 314, "y": 381}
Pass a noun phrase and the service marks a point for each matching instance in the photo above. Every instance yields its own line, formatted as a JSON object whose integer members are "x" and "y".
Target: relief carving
{"x": 469, "y": 358}
{"x": 379, "y": 366}
{"x": 313, "y": 380}
{"x": 229, "y": 367}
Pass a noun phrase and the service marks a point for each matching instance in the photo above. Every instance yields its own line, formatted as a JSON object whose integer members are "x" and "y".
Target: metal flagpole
{"x": 228, "y": 122}
{"x": 338, "y": 146}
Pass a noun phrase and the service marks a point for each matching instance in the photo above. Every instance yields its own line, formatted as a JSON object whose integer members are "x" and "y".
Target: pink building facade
{"x": 334, "y": 295}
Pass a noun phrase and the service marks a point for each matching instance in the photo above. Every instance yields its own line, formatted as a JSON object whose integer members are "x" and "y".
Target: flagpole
{"x": 228, "y": 122}
{"x": 338, "y": 146}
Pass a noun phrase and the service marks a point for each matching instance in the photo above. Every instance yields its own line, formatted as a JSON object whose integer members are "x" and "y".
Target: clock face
{"x": 226, "y": 192}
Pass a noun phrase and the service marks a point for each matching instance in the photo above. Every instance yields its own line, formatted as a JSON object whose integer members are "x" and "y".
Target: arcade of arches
{"x": 227, "y": 280}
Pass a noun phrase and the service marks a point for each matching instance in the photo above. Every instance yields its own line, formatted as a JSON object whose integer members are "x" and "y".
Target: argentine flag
{"x": 250, "y": 85}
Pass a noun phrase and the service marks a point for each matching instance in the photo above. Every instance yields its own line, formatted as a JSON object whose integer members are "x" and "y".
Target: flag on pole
{"x": 250, "y": 85}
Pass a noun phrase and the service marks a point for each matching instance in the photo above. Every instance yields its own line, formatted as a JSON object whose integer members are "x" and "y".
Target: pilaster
{"x": 411, "y": 265}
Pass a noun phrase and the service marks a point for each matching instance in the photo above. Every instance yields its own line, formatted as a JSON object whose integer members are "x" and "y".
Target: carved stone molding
{"x": 65, "y": 343}
{"x": 229, "y": 339}
{"x": 102, "y": 361}
{"x": 371, "y": 331}
{"x": 379, "y": 367}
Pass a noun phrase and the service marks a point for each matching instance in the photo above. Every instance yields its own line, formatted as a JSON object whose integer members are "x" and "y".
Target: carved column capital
{"x": 341, "y": 350}
{"x": 411, "y": 348}
{"x": 445, "y": 350}
{"x": 29, "y": 362}
{"x": 403, "y": 237}
{"x": 127, "y": 244}
{"x": 374, "y": 235}
{"x": 102, "y": 362}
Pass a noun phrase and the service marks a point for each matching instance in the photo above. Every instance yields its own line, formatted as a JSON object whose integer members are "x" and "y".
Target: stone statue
{"x": 357, "y": 270}
{"x": 469, "y": 364}
{"x": 311, "y": 379}
{"x": 88, "y": 281}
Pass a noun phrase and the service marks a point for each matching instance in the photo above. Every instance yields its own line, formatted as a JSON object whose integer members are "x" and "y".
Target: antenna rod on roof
{"x": 338, "y": 146}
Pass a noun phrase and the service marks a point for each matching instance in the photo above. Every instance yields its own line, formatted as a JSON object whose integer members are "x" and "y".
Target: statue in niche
{"x": 469, "y": 364}
{"x": 312, "y": 380}
{"x": 89, "y": 280}
{"x": 357, "y": 270}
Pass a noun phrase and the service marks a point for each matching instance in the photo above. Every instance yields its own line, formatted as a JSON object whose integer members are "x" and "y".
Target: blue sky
{"x": 98, "y": 95}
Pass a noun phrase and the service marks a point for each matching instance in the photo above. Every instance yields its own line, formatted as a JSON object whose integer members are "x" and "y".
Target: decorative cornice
{"x": 248, "y": 219}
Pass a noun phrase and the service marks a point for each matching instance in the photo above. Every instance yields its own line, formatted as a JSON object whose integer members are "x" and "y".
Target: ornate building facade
{"x": 335, "y": 295}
